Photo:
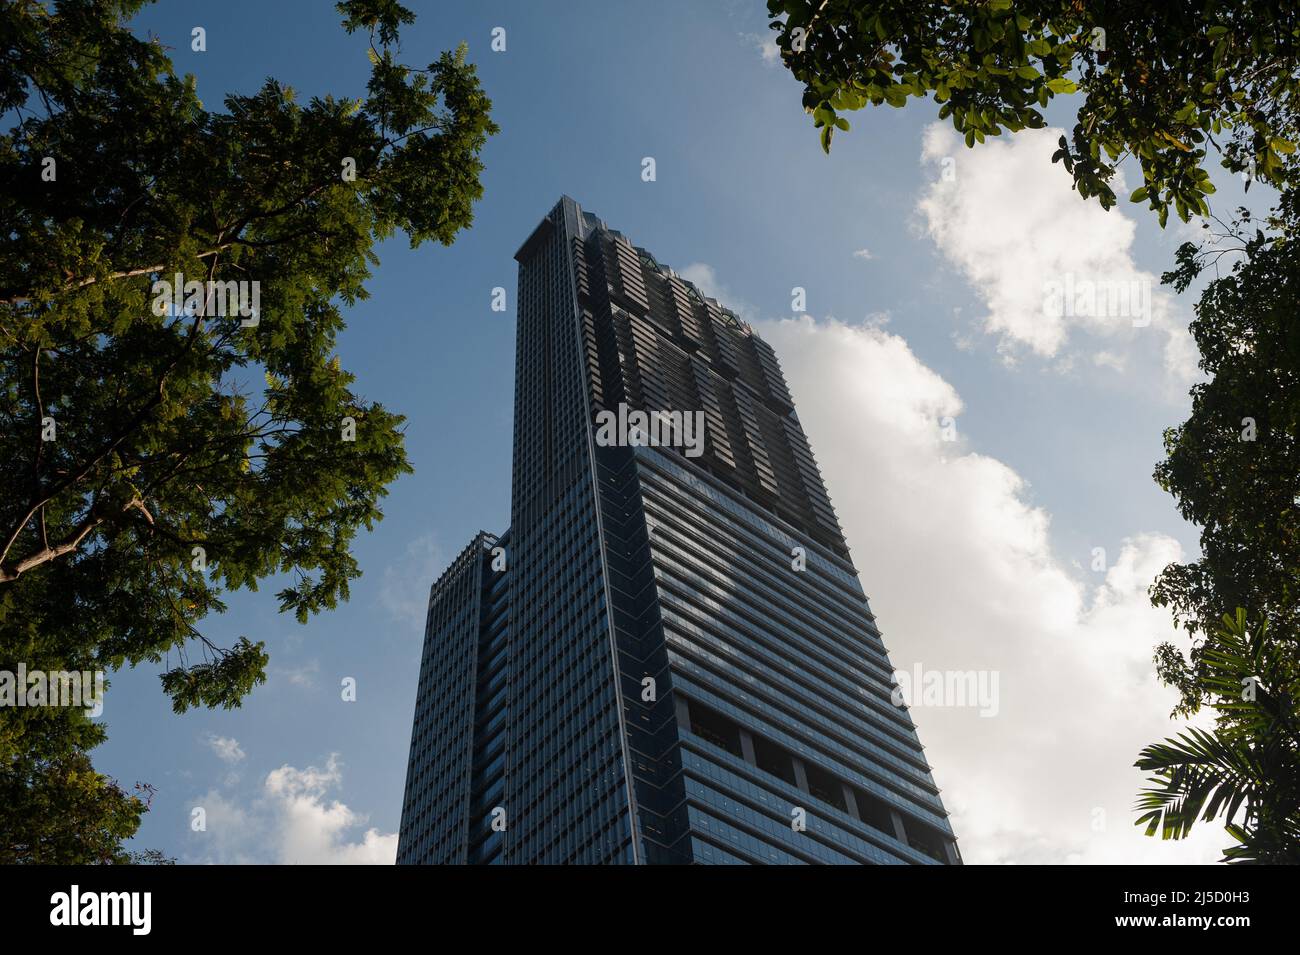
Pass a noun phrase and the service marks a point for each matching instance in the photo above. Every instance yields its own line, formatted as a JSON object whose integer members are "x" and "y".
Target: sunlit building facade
{"x": 668, "y": 658}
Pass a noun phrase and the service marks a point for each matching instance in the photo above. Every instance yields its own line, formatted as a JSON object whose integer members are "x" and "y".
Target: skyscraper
{"x": 668, "y": 658}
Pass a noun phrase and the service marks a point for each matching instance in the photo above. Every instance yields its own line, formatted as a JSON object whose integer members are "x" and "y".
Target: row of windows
{"x": 679, "y": 513}
{"x": 822, "y": 829}
{"x": 745, "y": 513}
{"x": 726, "y": 677}
{"x": 748, "y": 611}
{"x": 771, "y": 757}
{"x": 846, "y": 622}
{"x": 807, "y": 677}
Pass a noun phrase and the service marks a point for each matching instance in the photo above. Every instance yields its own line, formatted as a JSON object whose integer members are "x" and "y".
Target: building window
{"x": 715, "y": 728}
{"x": 873, "y": 811}
{"x": 822, "y": 785}
{"x": 925, "y": 839}
{"x": 771, "y": 758}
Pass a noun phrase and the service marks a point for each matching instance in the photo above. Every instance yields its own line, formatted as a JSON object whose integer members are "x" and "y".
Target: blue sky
{"x": 1056, "y": 444}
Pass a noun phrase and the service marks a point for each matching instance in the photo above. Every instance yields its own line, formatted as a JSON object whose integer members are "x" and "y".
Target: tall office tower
{"x": 668, "y": 658}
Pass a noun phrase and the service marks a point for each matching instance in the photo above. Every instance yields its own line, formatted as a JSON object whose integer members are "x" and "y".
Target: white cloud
{"x": 302, "y": 675}
{"x": 311, "y": 830}
{"x": 291, "y": 821}
{"x": 704, "y": 278}
{"x": 404, "y": 590}
{"x": 230, "y": 832}
{"x": 227, "y": 748}
{"x": 765, "y": 44}
{"x": 1109, "y": 359}
{"x": 1047, "y": 263}
{"x": 863, "y": 254}
{"x": 960, "y": 568}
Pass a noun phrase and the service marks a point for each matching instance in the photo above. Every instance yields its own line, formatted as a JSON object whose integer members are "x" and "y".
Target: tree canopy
{"x": 1234, "y": 465}
{"x": 1247, "y": 768}
{"x": 175, "y": 421}
{"x": 1166, "y": 83}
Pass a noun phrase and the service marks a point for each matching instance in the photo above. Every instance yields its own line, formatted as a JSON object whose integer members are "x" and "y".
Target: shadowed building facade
{"x": 668, "y": 658}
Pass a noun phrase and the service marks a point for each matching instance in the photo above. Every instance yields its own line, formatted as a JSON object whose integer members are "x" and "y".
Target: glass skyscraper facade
{"x": 668, "y": 658}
